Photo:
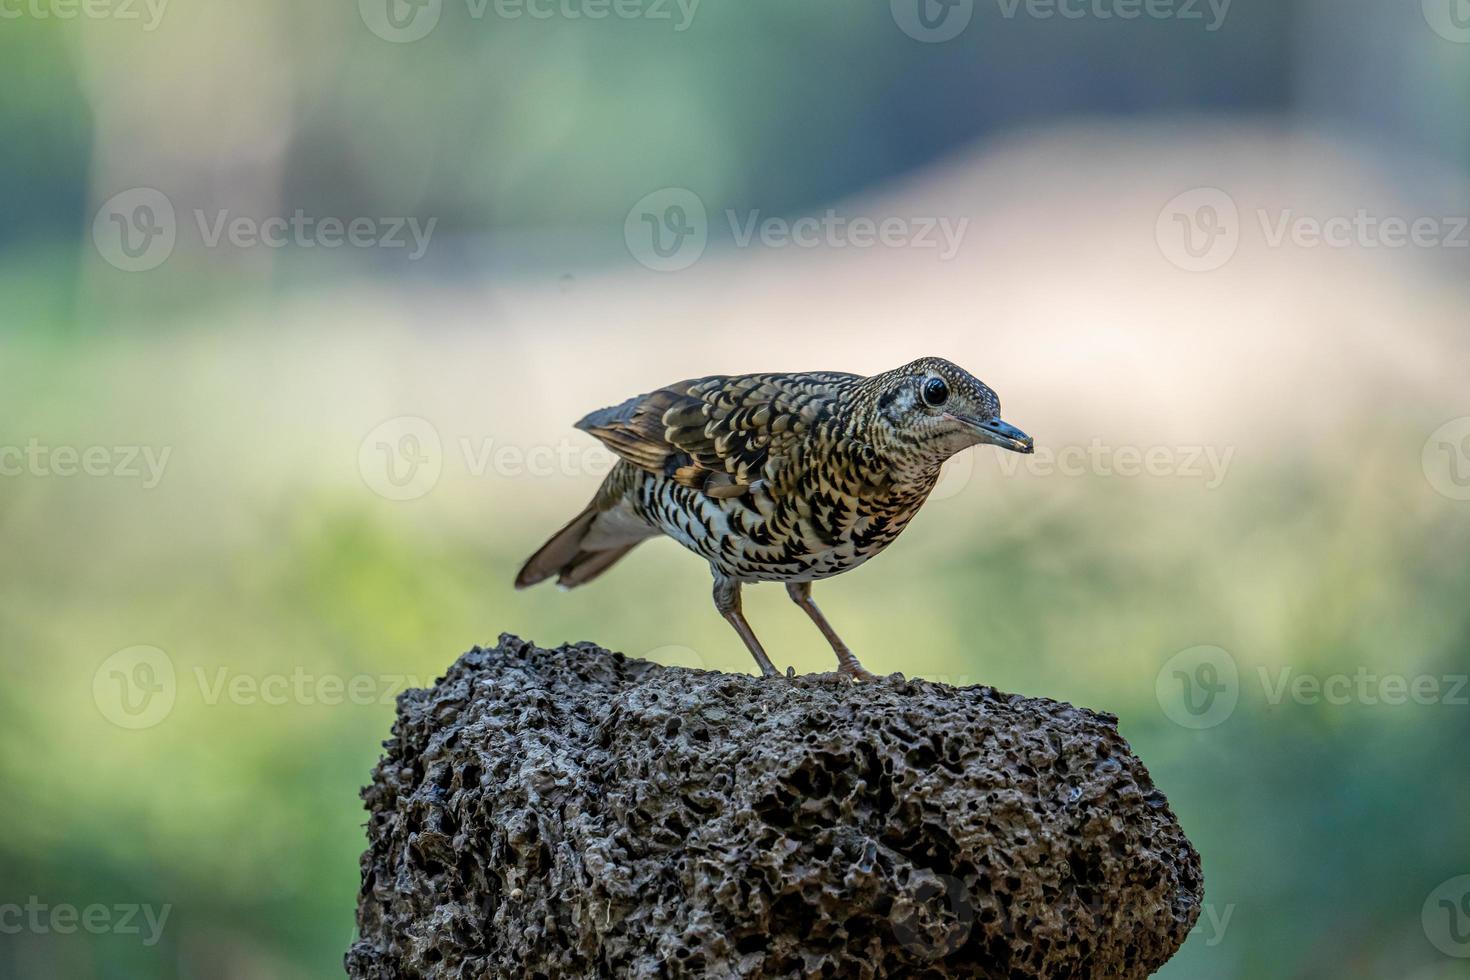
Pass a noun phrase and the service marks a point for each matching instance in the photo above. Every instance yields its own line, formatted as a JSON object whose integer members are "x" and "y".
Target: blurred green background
{"x": 250, "y": 489}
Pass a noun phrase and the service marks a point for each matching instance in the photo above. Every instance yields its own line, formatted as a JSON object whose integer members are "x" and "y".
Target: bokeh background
{"x": 259, "y": 475}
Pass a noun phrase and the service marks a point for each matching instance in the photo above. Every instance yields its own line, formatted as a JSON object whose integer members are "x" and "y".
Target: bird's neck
{"x": 897, "y": 465}
{"x": 913, "y": 474}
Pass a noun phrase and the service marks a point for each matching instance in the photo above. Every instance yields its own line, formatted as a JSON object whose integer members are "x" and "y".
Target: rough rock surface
{"x": 574, "y": 813}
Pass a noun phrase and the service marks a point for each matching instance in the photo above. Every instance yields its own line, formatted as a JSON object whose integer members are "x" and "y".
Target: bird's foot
{"x": 857, "y": 672}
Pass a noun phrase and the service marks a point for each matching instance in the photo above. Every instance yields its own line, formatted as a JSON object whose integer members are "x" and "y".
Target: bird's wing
{"x": 718, "y": 434}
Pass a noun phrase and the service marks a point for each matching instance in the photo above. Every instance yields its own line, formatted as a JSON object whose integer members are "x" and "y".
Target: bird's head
{"x": 936, "y": 408}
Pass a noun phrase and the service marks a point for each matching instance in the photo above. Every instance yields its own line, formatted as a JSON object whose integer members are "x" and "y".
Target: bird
{"x": 777, "y": 477}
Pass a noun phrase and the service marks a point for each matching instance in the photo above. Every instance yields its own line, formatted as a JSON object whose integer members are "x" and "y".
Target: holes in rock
{"x": 704, "y": 809}
{"x": 921, "y": 757}
{"x": 775, "y": 812}
{"x": 795, "y": 916}
{"x": 811, "y": 782}
{"x": 801, "y": 781}
{"x": 836, "y": 785}
{"x": 925, "y": 846}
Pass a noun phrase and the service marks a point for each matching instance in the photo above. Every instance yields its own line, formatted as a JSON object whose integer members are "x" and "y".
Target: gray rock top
{"x": 574, "y": 813}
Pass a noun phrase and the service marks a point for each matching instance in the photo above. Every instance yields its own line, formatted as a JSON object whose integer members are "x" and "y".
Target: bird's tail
{"x": 588, "y": 546}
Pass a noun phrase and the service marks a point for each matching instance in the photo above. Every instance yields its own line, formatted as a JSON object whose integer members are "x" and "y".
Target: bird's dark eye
{"x": 936, "y": 392}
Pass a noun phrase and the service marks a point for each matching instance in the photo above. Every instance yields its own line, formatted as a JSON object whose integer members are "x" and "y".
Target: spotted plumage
{"x": 774, "y": 477}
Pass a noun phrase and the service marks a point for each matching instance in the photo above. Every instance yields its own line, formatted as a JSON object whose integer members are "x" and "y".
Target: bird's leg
{"x": 801, "y": 594}
{"x": 727, "y": 601}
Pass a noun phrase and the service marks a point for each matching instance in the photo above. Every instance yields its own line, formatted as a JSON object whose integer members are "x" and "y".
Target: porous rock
{"x": 575, "y": 813}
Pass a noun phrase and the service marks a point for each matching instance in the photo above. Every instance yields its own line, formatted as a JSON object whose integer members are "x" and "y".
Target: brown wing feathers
{"x": 720, "y": 435}
{"x": 716, "y": 434}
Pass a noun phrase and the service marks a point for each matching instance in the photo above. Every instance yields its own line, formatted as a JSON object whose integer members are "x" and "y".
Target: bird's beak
{"x": 999, "y": 433}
